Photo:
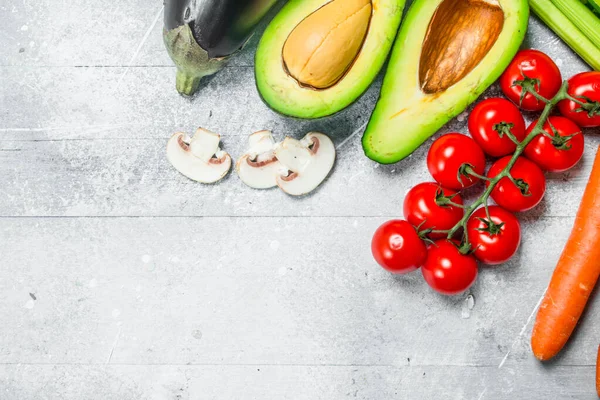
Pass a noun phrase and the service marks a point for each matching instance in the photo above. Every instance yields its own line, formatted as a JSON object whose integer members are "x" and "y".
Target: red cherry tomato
{"x": 488, "y": 123}
{"x": 496, "y": 241}
{"x": 537, "y": 68}
{"x": 529, "y": 177}
{"x": 583, "y": 86}
{"x": 397, "y": 247}
{"x": 448, "y": 271}
{"x": 424, "y": 207}
{"x": 560, "y": 153}
{"x": 448, "y": 154}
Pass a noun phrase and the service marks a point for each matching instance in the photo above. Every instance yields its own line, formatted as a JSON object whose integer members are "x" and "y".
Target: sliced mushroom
{"x": 308, "y": 162}
{"x": 200, "y": 157}
{"x": 259, "y": 166}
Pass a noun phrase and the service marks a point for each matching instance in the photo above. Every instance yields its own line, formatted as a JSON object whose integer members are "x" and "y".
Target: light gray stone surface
{"x": 121, "y": 279}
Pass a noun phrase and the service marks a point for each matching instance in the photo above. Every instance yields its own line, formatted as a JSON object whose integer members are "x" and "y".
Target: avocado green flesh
{"x": 285, "y": 95}
{"x": 405, "y": 116}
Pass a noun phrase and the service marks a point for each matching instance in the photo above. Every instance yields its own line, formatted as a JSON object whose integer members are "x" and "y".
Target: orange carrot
{"x": 574, "y": 277}
{"x": 598, "y": 373}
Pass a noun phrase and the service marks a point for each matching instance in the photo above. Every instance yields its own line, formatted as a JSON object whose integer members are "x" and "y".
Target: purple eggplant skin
{"x": 201, "y": 35}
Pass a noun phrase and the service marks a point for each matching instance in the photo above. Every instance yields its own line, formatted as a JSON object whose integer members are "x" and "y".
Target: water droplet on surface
{"x": 197, "y": 334}
{"x": 468, "y": 305}
{"x": 462, "y": 117}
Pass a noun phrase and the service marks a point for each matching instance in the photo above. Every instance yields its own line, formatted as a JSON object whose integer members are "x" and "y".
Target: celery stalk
{"x": 594, "y": 5}
{"x": 582, "y": 17}
{"x": 563, "y": 27}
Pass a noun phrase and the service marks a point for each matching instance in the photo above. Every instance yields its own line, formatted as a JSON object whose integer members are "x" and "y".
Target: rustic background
{"x": 121, "y": 279}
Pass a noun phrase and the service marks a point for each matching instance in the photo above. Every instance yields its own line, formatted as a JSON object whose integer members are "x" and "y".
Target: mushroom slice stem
{"x": 306, "y": 162}
{"x": 200, "y": 157}
{"x": 258, "y": 167}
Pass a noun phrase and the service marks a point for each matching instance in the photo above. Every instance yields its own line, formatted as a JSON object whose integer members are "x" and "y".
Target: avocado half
{"x": 446, "y": 54}
{"x": 318, "y": 56}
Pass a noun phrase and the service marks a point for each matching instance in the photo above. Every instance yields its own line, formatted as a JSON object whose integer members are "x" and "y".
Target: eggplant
{"x": 201, "y": 35}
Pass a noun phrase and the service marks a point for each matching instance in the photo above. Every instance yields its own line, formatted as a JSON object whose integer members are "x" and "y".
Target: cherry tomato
{"x": 529, "y": 177}
{"x": 559, "y": 153}
{"x": 584, "y": 87}
{"x": 488, "y": 123}
{"x": 451, "y": 152}
{"x": 397, "y": 247}
{"x": 424, "y": 207}
{"x": 448, "y": 271}
{"x": 539, "y": 71}
{"x": 494, "y": 240}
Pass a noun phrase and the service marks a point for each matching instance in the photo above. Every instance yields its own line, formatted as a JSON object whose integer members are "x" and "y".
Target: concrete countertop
{"x": 121, "y": 279}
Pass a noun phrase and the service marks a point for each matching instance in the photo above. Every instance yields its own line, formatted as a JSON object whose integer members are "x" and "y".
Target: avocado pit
{"x": 323, "y": 46}
{"x": 460, "y": 35}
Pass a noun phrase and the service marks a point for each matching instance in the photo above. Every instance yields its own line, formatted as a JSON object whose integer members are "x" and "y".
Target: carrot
{"x": 598, "y": 373}
{"x": 574, "y": 277}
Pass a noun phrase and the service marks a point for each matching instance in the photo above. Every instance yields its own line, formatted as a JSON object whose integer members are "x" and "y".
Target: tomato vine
{"x": 562, "y": 94}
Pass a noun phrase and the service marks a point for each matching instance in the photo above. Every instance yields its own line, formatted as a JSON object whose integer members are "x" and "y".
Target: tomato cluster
{"x": 434, "y": 212}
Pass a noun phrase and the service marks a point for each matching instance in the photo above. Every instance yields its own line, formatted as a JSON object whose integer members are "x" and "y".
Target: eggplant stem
{"x": 187, "y": 84}
{"x": 192, "y": 61}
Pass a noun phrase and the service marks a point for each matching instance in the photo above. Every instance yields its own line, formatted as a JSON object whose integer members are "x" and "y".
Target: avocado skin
{"x": 404, "y": 116}
{"x": 285, "y": 96}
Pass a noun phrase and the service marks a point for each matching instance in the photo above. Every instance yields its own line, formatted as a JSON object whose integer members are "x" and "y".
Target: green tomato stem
{"x": 471, "y": 172}
{"x": 438, "y": 231}
{"x": 513, "y": 138}
{"x": 453, "y": 204}
{"x": 487, "y": 211}
{"x": 492, "y": 182}
{"x": 539, "y": 97}
{"x": 576, "y": 100}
